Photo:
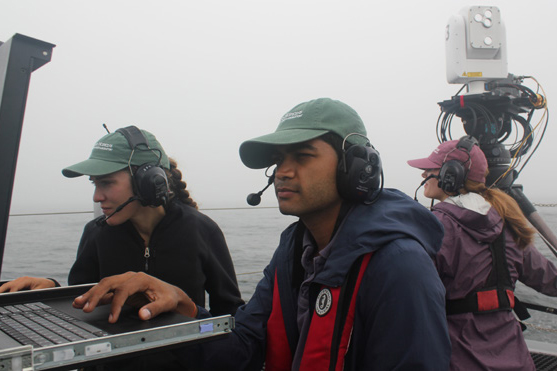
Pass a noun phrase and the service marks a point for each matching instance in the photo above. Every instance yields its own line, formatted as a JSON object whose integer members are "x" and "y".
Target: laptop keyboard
{"x": 40, "y": 325}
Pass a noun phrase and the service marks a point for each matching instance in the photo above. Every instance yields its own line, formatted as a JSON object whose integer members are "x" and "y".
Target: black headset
{"x": 359, "y": 172}
{"x": 453, "y": 173}
{"x": 149, "y": 180}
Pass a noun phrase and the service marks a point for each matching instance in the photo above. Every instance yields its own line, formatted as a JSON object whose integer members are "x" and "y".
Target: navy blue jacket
{"x": 400, "y": 318}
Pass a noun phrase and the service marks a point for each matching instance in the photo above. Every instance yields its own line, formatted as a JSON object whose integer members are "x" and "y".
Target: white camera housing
{"x": 475, "y": 47}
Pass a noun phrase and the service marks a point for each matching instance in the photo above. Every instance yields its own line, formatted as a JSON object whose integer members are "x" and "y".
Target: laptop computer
{"x": 41, "y": 330}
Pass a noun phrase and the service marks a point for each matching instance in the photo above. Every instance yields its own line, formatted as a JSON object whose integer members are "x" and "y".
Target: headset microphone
{"x": 254, "y": 199}
{"x": 422, "y": 183}
{"x": 102, "y": 221}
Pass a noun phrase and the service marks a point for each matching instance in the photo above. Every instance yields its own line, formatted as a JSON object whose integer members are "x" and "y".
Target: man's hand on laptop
{"x": 136, "y": 289}
{"x": 27, "y": 283}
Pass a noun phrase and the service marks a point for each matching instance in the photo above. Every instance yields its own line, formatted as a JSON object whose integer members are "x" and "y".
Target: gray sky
{"x": 204, "y": 76}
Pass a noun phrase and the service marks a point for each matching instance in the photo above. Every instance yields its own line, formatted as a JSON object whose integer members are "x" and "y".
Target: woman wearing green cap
{"x": 150, "y": 224}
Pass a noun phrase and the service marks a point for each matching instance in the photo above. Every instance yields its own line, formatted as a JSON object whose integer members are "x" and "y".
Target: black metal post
{"x": 534, "y": 217}
{"x": 19, "y": 57}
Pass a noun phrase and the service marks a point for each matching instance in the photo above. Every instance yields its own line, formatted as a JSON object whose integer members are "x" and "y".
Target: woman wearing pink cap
{"x": 487, "y": 247}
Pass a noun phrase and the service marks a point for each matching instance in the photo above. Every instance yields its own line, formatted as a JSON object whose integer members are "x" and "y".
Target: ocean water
{"x": 45, "y": 246}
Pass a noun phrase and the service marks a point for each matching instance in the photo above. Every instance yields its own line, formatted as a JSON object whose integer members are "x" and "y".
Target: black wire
{"x": 504, "y": 127}
{"x": 437, "y": 128}
{"x": 522, "y": 146}
{"x": 459, "y": 90}
{"x": 537, "y": 144}
{"x": 522, "y": 88}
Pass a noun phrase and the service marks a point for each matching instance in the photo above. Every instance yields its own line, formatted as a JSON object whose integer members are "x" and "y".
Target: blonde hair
{"x": 507, "y": 208}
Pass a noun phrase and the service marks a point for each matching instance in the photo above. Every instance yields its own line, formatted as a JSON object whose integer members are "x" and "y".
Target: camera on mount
{"x": 495, "y": 101}
{"x": 475, "y": 47}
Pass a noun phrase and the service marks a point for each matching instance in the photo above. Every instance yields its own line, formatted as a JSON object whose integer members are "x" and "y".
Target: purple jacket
{"x": 487, "y": 341}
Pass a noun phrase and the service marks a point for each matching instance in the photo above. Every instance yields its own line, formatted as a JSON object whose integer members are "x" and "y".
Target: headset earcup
{"x": 359, "y": 173}
{"x": 452, "y": 176}
{"x": 151, "y": 185}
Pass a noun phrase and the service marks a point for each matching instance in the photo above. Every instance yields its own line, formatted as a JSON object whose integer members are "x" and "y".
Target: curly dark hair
{"x": 177, "y": 185}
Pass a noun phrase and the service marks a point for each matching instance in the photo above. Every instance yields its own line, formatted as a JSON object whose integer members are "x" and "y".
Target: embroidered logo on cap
{"x": 324, "y": 302}
{"x": 103, "y": 146}
{"x": 291, "y": 115}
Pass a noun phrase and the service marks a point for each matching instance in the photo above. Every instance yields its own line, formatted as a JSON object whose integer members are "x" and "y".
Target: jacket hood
{"x": 367, "y": 228}
{"x": 483, "y": 228}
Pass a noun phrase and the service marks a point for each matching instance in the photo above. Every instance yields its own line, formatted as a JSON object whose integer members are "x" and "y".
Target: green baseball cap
{"x": 304, "y": 122}
{"x": 112, "y": 153}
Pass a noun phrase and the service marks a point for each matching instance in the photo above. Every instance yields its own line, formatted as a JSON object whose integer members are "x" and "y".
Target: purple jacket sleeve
{"x": 538, "y": 272}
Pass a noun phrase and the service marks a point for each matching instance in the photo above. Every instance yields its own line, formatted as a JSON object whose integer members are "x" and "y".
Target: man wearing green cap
{"x": 351, "y": 285}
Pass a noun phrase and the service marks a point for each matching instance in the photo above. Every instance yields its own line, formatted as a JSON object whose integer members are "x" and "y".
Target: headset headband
{"x": 465, "y": 144}
{"x": 134, "y": 136}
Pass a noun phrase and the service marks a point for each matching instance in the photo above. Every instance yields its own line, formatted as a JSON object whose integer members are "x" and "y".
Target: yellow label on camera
{"x": 472, "y": 74}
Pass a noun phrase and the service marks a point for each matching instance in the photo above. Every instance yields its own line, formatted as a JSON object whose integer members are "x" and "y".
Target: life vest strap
{"x": 482, "y": 302}
{"x": 497, "y": 294}
{"x": 278, "y": 353}
{"x": 332, "y": 322}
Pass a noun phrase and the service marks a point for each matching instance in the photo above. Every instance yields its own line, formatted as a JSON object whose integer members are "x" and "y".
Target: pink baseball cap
{"x": 475, "y": 162}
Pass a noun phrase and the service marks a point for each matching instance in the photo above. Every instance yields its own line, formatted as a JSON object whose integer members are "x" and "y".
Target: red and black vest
{"x": 498, "y": 292}
{"x": 330, "y": 328}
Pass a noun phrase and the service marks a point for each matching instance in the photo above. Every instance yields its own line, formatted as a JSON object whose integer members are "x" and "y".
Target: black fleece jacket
{"x": 187, "y": 249}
